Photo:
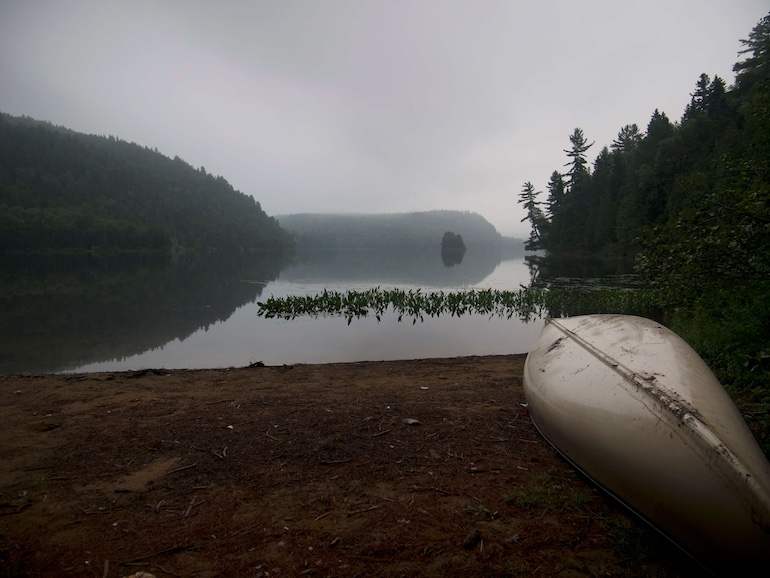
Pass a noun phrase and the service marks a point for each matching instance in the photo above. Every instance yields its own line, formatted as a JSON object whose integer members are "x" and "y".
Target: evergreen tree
{"x": 716, "y": 102}
{"x": 577, "y": 164}
{"x": 556, "y": 188}
{"x": 658, "y": 129}
{"x": 756, "y": 67}
{"x": 628, "y": 138}
{"x": 535, "y": 216}
{"x": 600, "y": 227}
{"x": 650, "y": 178}
{"x": 699, "y": 98}
{"x": 570, "y": 218}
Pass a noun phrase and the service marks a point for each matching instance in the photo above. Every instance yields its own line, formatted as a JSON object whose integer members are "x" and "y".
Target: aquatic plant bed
{"x": 526, "y": 303}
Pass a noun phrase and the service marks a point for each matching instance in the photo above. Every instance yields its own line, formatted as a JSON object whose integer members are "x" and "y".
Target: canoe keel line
{"x": 633, "y": 407}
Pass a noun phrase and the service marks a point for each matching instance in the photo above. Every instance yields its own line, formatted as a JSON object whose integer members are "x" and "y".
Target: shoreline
{"x": 424, "y": 467}
{"x": 256, "y": 364}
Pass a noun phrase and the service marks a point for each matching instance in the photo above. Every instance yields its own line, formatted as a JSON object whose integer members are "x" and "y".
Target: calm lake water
{"x": 112, "y": 313}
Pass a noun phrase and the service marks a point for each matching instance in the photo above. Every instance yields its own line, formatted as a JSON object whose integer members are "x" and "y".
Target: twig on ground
{"x": 219, "y": 401}
{"x": 88, "y": 513}
{"x": 439, "y": 490}
{"x": 242, "y": 530}
{"x": 170, "y": 550}
{"x": 192, "y": 505}
{"x": 182, "y": 468}
{"x": 366, "y": 510}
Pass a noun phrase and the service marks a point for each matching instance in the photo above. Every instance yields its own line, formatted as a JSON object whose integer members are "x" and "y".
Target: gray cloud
{"x": 365, "y": 106}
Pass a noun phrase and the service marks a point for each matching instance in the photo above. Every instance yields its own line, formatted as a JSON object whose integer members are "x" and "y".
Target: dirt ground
{"x": 406, "y": 468}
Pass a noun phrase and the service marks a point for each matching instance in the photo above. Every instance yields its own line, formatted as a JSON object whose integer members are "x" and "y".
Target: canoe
{"x": 632, "y": 406}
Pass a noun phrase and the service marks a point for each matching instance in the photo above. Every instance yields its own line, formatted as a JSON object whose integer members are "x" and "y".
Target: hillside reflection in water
{"x": 122, "y": 312}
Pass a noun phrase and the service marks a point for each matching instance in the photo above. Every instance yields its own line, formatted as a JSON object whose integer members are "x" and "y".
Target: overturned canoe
{"x": 633, "y": 406}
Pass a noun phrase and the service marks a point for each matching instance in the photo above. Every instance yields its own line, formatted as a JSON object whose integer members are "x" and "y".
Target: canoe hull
{"x": 636, "y": 409}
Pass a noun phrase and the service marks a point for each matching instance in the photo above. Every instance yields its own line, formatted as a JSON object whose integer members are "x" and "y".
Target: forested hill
{"x": 390, "y": 230}
{"x": 691, "y": 198}
{"x": 63, "y": 190}
{"x": 701, "y": 182}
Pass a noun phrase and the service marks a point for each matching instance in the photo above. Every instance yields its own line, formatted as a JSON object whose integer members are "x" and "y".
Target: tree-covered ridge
{"x": 692, "y": 200}
{"x": 665, "y": 177}
{"x": 389, "y": 230}
{"x": 60, "y": 189}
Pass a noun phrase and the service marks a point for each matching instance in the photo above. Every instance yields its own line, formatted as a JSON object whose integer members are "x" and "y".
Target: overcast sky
{"x": 366, "y": 106}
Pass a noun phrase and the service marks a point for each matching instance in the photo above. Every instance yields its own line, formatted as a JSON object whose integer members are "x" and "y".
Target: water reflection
{"x": 563, "y": 271}
{"x": 418, "y": 268}
{"x": 105, "y": 313}
{"x": 610, "y": 284}
{"x": 59, "y": 312}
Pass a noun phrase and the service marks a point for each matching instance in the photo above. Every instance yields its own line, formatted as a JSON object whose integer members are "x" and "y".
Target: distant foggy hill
{"x": 390, "y": 230}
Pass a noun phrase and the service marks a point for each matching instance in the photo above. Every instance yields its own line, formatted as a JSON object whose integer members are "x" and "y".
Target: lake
{"x": 129, "y": 312}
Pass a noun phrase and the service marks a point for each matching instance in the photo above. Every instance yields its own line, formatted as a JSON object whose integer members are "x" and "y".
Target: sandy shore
{"x": 400, "y": 468}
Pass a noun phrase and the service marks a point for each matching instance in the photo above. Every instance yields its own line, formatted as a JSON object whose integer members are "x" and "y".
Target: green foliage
{"x": 526, "y": 303}
{"x": 542, "y": 492}
{"x": 633, "y": 542}
{"x": 480, "y": 510}
{"x": 712, "y": 259}
{"x": 578, "y": 165}
{"x": 641, "y": 181}
{"x": 692, "y": 201}
{"x": 535, "y": 216}
{"x": 732, "y": 330}
{"x": 724, "y": 240}
{"x": 754, "y": 68}
{"x": 628, "y": 139}
{"x": 64, "y": 190}
{"x": 538, "y": 493}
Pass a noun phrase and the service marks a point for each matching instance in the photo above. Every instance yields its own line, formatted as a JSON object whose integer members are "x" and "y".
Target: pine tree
{"x": 535, "y": 216}
{"x": 556, "y": 188}
{"x": 578, "y": 163}
{"x": 699, "y": 99}
{"x": 571, "y": 216}
{"x": 555, "y": 203}
{"x": 628, "y": 138}
{"x": 754, "y": 68}
{"x": 716, "y": 102}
